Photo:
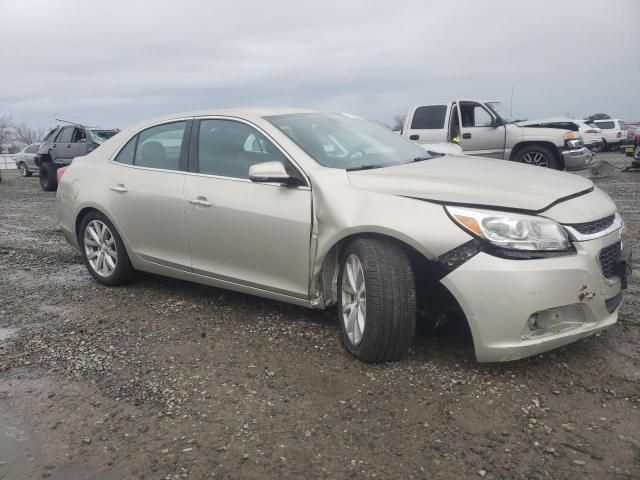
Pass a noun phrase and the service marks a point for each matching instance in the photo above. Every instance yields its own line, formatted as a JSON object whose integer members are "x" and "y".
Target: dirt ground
{"x": 165, "y": 379}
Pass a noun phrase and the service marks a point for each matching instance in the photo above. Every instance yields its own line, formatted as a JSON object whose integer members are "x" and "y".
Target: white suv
{"x": 614, "y": 132}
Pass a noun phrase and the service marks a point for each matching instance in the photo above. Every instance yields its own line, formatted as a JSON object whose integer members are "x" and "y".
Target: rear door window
{"x": 161, "y": 146}
{"x": 65, "y": 135}
{"x": 429, "y": 117}
{"x": 606, "y": 125}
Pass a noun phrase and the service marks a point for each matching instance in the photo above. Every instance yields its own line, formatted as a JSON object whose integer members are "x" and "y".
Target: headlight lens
{"x": 512, "y": 230}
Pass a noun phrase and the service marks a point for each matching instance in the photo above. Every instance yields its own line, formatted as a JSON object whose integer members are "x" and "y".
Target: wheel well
{"x": 549, "y": 145}
{"x": 83, "y": 213}
{"x": 433, "y": 297}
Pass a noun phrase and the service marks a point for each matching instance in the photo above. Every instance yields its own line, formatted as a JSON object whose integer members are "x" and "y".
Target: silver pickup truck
{"x": 483, "y": 128}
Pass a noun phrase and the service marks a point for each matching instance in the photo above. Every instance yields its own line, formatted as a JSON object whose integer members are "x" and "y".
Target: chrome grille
{"x": 589, "y": 228}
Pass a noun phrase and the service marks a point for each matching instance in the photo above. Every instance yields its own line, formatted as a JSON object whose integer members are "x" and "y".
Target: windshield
{"x": 499, "y": 109}
{"x": 100, "y": 136}
{"x": 343, "y": 141}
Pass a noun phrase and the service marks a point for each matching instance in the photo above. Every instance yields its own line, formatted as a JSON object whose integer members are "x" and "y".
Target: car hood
{"x": 460, "y": 179}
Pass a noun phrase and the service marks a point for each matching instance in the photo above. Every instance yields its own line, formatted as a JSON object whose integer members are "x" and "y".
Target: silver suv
{"x": 62, "y": 145}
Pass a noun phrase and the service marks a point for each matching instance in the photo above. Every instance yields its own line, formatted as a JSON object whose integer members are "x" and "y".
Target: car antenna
{"x": 72, "y": 123}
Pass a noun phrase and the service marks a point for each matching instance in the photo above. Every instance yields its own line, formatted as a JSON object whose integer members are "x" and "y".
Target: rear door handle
{"x": 466, "y": 135}
{"x": 120, "y": 188}
{"x": 200, "y": 201}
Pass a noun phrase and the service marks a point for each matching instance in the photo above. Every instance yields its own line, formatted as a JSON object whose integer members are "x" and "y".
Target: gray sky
{"x": 124, "y": 61}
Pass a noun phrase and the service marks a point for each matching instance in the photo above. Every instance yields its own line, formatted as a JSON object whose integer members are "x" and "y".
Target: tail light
{"x": 619, "y": 135}
{"x": 591, "y": 130}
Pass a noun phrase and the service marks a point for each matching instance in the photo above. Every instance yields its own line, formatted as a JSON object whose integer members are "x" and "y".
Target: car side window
{"x": 228, "y": 148}
{"x": 32, "y": 148}
{"x": 78, "y": 135}
{"x": 127, "y": 153}
{"x": 475, "y": 115}
{"x": 65, "y": 135}
{"x": 160, "y": 146}
{"x": 429, "y": 117}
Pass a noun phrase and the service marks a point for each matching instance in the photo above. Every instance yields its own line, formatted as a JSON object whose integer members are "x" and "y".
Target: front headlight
{"x": 511, "y": 230}
{"x": 573, "y": 140}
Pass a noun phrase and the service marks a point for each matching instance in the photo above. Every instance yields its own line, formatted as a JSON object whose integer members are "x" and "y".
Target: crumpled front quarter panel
{"x": 342, "y": 210}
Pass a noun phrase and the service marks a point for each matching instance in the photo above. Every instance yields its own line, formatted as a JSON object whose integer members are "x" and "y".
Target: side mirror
{"x": 271, "y": 172}
{"x": 497, "y": 122}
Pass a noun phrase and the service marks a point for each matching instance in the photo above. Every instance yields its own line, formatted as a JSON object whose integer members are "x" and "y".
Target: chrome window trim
{"x": 618, "y": 223}
{"x": 300, "y": 170}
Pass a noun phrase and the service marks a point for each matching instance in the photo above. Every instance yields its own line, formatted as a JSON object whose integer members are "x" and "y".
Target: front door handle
{"x": 120, "y": 188}
{"x": 200, "y": 201}
{"x": 414, "y": 137}
{"x": 466, "y": 135}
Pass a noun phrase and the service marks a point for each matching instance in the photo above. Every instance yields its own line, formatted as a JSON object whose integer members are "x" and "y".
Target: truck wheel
{"x": 48, "y": 180}
{"x": 103, "y": 251}
{"x": 539, "y": 156}
{"x": 376, "y": 300}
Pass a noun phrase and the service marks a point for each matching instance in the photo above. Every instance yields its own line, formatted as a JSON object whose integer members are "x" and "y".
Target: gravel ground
{"x": 166, "y": 379}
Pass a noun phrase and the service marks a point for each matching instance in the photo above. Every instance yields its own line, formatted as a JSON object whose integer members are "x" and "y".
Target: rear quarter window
{"x": 429, "y": 118}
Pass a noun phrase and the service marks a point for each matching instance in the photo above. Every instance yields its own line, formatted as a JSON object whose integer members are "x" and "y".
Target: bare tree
{"x": 6, "y": 131}
{"x": 398, "y": 122}
{"x": 25, "y": 134}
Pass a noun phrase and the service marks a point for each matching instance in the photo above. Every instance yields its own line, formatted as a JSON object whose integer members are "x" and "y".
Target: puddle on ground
{"x": 22, "y": 452}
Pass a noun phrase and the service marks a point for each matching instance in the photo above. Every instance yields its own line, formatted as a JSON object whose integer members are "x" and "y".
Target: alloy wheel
{"x": 23, "y": 170}
{"x": 535, "y": 158}
{"x": 354, "y": 299}
{"x": 100, "y": 248}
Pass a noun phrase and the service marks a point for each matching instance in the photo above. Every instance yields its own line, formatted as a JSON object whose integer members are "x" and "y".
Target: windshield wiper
{"x": 364, "y": 167}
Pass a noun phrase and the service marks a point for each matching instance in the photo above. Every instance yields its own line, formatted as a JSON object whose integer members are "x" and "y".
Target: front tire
{"x": 24, "y": 170}
{"x": 376, "y": 300}
{"x": 48, "y": 180}
{"x": 539, "y": 156}
{"x": 103, "y": 251}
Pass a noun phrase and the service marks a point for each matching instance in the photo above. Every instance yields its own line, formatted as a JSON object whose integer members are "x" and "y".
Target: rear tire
{"x": 383, "y": 272}
{"x": 605, "y": 145}
{"x": 24, "y": 170}
{"x": 99, "y": 239}
{"x": 539, "y": 156}
{"x": 48, "y": 180}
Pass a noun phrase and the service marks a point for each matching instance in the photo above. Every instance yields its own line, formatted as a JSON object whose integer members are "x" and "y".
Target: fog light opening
{"x": 554, "y": 321}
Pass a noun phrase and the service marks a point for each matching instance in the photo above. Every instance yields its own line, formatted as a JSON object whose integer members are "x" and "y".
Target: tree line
{"x": 14, "y": 136}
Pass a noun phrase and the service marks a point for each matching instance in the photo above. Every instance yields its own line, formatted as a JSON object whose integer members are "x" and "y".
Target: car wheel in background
{"x": 605, "y": 145}
{"x": 48, "y": 180}
{"x": 24, "y": 170}
{"x": 376, "y": 300}
{"x": 539, "y": 156}
{"x": 103, "y": 251}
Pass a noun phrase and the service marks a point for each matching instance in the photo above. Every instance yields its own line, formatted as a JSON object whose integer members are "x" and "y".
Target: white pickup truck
{"x": 484, "y": 129}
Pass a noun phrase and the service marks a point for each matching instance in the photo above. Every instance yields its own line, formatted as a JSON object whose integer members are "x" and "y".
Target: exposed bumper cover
{"x": 568, "y": 296}
{"x": 578, "y": 159}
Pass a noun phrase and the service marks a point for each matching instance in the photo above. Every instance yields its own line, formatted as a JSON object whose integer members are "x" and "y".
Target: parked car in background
{"x": 318, "y": 209}
{"x": 591, "y": 136}
{"x": 632, "y": 135}
{"x": 26, "y": 160}
{"x": 614, "y": 132}
{"x": 484, "y": 129}
{"x": 62, "y": 145}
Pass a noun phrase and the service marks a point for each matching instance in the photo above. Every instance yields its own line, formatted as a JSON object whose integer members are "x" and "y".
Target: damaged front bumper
{"x": 518, "y": 308}
{"x": 578, "y": 159}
